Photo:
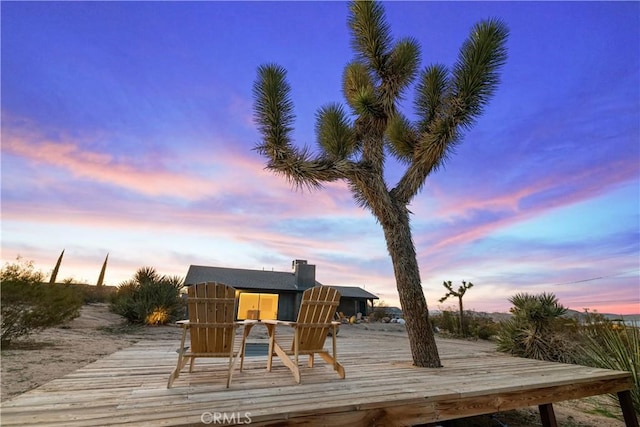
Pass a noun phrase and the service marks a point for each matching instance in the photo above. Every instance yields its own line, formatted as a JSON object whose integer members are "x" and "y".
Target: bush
{"x": 476, "y": 325}
{"x": 29, "y": 305}
{"x": 446, "y": 321}
{"x": 91, "y": 294}
{"x": 97, "y": 294}
{"x": 612, "y": 346}
{"x": 149, "y": 298}
{"x": 380, "y": 311}
{"x": 480, "y": 325}
{"x": 536, "y": 330}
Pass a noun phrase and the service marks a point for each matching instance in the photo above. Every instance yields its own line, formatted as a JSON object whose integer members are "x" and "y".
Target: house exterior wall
{"x": 287, "y": 309}
{"x": 352, "y": 306}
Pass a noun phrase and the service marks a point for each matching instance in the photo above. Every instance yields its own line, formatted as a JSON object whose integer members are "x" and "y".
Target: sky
{"x": 127, "y": 129}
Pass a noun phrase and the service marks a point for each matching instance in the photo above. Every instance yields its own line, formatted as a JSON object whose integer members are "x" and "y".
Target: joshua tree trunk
{"x": 462, "y": 331}
{"x": 414, "y": 305}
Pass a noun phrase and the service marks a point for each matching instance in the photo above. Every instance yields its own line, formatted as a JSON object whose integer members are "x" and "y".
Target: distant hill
{"x": 626, "y": 317}
{"x": 496, "y": 317}
{"x": 499, "y": 317}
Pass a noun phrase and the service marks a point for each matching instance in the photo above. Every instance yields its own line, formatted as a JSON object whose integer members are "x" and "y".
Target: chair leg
{"x": 333, "y": 362}
{"x": 181, "y": 359}
{"x": 241, "y": 355}
{"x": 296, "y": 346}
{"x": 272, "y": 339}
{"x": 335, "y": 347}
{"x": 243, "y": 347}
{"x": 232, "y": 363}
{"x": 172, "y": 377}
{"x": 293, "y": 367}
{"x": 310, "y": 363}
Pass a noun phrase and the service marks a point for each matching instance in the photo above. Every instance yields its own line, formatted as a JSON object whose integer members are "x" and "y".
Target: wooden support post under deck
{"x": 629, "y": 414}
{"x": 547, "y": 415}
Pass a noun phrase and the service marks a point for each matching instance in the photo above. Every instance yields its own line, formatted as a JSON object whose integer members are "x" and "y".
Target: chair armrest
{"x": 278, "y": 322}
{"x": 182, "y": 322}
{"x": 334, "y": 323}
{"x": 246, "y": 322}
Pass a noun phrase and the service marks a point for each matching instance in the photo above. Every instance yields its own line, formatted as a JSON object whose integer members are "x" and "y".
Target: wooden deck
{"x": 381, "y": 388}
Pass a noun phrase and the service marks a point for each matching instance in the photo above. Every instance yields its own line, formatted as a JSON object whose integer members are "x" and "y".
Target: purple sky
{"x": 127, "y": 129}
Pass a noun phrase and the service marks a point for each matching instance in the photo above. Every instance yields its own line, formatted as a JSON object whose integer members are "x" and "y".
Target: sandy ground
{"x": 56, "y": 352}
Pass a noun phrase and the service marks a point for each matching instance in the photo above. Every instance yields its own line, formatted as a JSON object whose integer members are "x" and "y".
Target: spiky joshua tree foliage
{"x": 353, "y": 142}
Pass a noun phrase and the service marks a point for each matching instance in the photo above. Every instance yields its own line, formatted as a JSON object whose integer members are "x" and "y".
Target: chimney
{"x": 305, "y": 274}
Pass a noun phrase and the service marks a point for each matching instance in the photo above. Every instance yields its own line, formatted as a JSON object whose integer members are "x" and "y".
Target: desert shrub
{"x": 123, "y": 300}
{"x": 92, "y": 294}
{"x": 613, "y": 346}
{"x": 149, "y": 298}
{"x": 537, "y": 330}
{"x": 29, "y": 305}
{"x": 450, "y": 322}
{"x": 380, "y": 311}
{"x": 480, "y": 325}
{"x": 477, "y": 325}
{"x": 446, "y": 321}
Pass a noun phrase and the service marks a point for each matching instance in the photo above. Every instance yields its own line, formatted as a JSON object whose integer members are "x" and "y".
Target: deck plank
{"x": 381, "y": 387}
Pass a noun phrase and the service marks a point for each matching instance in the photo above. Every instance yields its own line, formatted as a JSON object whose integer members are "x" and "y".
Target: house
{"x": 289, "y": 286}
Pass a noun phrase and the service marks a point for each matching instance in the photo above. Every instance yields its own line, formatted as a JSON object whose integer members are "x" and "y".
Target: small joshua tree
{"x": 458, "y": 294}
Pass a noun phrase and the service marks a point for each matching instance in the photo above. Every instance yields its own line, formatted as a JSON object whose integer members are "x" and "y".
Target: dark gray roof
{"x": 354, "y": 292}
{"x": 242, "y": 278}
{"x": 260, "y": 280}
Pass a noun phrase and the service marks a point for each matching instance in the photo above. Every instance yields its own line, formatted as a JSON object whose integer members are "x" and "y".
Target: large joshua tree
{"x": 353, "y": 145}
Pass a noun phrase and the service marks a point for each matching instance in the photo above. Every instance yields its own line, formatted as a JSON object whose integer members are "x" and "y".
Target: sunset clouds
{"x": 137, "y": 141}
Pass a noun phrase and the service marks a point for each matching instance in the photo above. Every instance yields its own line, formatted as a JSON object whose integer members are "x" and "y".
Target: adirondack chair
{"x": 211, "y": 326}
{"x": 310, "y": 331}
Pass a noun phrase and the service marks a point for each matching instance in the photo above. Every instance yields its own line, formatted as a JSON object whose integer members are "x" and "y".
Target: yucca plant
{"x": 535, "y": 331}
{"x": 54, "y": 274}
{"x": 147, "y": 293}
{"x": 615, "y": 348}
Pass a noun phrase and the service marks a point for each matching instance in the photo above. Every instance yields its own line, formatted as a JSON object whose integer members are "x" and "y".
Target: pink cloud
{"x": 227, "y": 176}
{"x": 149, "y": 180}
{"x": 458, "y": 210}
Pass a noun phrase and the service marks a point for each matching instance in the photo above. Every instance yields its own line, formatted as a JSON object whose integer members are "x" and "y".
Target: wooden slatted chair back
{"x": 317, "y": 309}
{"x": 212, "y": 309}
